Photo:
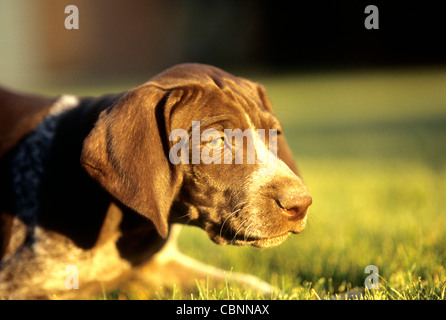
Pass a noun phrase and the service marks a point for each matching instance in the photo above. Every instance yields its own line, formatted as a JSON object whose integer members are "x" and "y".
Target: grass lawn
{"x": 371, "y": 146}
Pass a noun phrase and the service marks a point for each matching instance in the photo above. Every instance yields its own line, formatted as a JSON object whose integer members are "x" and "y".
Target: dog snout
{"x": 294, "y": 203}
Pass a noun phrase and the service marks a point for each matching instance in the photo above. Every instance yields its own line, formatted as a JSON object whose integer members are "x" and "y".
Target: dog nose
{"x": 294, "y": 204}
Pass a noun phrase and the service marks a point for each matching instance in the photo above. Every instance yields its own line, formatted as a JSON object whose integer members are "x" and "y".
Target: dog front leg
{"x": 171, "y": 268}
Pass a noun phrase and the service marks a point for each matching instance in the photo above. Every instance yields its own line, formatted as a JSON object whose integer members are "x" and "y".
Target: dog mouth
{"x": 263, "y": 226}
{"x": 259, "y": 233}
{"x": 245, "y": 239}
{"x": 268, "y": 242}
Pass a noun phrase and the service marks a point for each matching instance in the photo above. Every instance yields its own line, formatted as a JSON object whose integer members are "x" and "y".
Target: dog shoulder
{"x": 20, "y": 113}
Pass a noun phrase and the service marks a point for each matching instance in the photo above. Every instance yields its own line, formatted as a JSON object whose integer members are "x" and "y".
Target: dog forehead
{"x": 239, "y": 108}
{"x": 206, "y": 77}
{"x": 191, "y": 72}
{"x": 201, "y": 91}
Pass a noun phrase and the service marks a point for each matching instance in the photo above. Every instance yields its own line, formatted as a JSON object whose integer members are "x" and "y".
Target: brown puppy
{"x": 95, "y": 183}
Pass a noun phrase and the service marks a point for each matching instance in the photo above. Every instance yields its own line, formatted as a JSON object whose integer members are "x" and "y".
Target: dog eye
{"x": 278, "y": 130}
{"x": 216, "y": 143}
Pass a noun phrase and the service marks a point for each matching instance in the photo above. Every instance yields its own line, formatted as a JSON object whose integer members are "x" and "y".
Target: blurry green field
{"x": 372, "y": 148}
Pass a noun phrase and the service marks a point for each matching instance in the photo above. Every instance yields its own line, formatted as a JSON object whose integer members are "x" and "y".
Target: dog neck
{"x": 28, "y": 163}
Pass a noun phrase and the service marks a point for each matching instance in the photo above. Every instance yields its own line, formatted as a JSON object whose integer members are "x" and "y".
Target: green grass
{"x": 372, "y": 149}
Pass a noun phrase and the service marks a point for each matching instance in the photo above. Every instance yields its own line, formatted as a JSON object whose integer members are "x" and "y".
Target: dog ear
{"x": 283, "y": 150}
{"x": 127, "y": 153}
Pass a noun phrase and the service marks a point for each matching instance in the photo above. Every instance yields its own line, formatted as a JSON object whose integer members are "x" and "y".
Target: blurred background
{"x": 119, "y": 39}
{"x": 364, "y": 112}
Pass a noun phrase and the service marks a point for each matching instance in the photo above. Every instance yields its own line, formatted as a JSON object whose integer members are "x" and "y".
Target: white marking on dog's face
{"x": 270, "y": 173}
{"x": 266, "y": 156}
{"x": 270, "y": 166}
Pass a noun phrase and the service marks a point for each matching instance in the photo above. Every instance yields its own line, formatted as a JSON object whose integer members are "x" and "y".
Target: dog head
{"x": 198, "y": 143}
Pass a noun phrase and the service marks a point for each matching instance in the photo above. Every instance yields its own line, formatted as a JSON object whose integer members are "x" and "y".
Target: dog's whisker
{"x": 247, "y": 231}
{"x": 188, "y": 221}
{"x": 181, "y": 217}
{"x": 238, "y": 230}
{"x": 241, "y": 227}
{"x": 232, "y": 214}
{"x": 239, "y": 204}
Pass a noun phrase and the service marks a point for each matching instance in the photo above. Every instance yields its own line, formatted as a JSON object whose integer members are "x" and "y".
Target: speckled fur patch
{"x": 29, "y": 161}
